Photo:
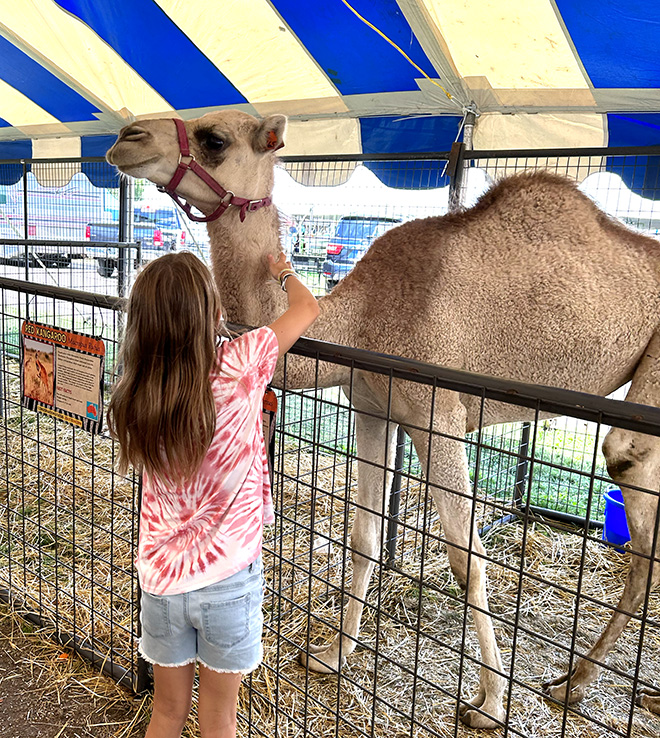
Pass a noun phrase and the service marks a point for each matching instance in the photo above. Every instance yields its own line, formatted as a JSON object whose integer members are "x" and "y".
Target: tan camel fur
{"x": 533, "y": 283}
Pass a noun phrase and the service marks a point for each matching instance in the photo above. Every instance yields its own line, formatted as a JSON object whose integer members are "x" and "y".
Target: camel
{"x": 532, "y": 283}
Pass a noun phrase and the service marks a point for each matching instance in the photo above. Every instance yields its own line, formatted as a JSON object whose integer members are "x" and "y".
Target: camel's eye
{"x": 213, "y": 142}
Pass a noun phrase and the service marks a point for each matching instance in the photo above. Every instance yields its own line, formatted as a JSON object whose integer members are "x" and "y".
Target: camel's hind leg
{"x": 632, "y": 459}
{"x": 450, "y": 487}
{"x": 375, "y": 445}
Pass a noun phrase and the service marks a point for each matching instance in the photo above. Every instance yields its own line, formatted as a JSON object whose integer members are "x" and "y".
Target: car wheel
{"x": 329, "y": 284}
{"x": 106, "y": 270}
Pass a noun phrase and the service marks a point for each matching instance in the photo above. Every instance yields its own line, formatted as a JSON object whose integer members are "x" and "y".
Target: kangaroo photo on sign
{"x": 62, "y": 374}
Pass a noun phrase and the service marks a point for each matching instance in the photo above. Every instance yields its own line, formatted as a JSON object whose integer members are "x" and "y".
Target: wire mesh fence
{"x": 68, "y": 535}
{"x": 71, "y": 204}
{"x": 68, "y": 532}
{"x": 415, "y": 659}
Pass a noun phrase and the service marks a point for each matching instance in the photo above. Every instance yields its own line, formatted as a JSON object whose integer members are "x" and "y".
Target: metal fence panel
{"x": 69, "y": 523}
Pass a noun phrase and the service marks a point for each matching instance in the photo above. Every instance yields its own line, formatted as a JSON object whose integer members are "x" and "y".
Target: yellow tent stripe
{"x": 514, "y": 45}
{"x": 19, "y": 110}
{"x": 68, "y": 45}
{"x": 236, "y": 42}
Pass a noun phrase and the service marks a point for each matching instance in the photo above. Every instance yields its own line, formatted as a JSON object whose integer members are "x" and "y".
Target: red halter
{"x": 227, "y": 197}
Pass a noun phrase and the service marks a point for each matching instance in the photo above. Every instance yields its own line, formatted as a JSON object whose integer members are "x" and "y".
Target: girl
{"x": 187, "y": 411}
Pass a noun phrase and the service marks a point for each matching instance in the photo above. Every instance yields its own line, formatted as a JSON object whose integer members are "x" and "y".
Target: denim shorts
{"x": 220, "y": 625}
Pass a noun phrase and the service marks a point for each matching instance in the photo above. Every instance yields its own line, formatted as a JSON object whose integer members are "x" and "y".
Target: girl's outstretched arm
{"x": 303, "y": 306}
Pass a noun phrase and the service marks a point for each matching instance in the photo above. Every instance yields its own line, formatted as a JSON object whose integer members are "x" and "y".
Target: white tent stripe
{"x": 19, "y": 110}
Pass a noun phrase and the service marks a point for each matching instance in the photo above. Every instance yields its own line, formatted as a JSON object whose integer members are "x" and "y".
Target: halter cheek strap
{"x": 187, "y": 163}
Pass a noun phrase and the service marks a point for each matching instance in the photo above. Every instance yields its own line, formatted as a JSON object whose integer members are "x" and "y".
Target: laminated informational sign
{"x": 62, "y": 374}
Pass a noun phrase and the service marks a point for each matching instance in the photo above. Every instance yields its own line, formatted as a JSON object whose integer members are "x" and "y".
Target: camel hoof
{"x": 473, "y": 718}
{"x": 649, "y": 699}
{"x": 320, "y": 659}
{"x": 556, "y": 689}
{"x": 483, "y": 718}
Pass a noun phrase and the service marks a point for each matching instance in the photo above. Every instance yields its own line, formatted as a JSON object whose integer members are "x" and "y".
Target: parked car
{"x": 159, "y": 229}
{"x": 353, "y": 236}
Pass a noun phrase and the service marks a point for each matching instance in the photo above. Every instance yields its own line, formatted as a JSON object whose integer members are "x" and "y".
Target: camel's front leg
{"x": 632, "y": 459}
{"x": 375, "y": 439}
{"x": 450, "y": 487}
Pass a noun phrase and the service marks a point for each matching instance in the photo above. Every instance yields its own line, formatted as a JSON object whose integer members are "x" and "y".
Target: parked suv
{"x": 353, "y": 236}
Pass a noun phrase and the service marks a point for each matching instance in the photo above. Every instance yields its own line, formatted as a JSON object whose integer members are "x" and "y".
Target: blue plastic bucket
{"x": 615, "y": 530}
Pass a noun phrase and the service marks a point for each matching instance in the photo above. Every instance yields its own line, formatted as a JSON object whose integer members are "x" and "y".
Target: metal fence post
{"x": 395, "y": 497}
{"x": 25, "y": 221}
{"x": 456, "y": 165}
{"x": 125, "y": 233}
{"x": 521, "y": 467}
{"x": 455, "y": 173}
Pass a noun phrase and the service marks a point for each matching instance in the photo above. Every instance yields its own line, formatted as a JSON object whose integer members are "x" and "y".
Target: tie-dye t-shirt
{"x": 211, "y": 527}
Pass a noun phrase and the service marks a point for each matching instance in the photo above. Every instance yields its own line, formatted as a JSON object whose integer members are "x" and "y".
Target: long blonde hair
{"x": 162, "y": 410}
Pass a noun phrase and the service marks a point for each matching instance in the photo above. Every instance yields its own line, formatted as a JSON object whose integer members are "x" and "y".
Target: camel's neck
{"x": 251, "y": 297}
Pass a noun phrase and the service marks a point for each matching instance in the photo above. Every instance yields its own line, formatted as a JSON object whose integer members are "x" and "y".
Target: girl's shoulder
{"x": 248, "y": 349}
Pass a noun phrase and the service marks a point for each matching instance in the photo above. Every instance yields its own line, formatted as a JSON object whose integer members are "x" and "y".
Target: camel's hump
{"x": 544, "y": 188}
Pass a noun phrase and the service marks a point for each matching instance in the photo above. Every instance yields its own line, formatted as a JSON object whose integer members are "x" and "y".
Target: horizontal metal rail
{"x": 62, "y": 242}
{"x": 63, "y": 293}
{"x": 627, "y": 415}
{"x": 479, "y": 154}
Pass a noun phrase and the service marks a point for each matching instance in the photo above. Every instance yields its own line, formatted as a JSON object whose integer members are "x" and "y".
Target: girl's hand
{"x": 278, "y": 265}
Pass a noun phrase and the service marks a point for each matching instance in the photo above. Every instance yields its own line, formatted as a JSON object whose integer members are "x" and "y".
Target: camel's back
{"x": 534, "y": 282}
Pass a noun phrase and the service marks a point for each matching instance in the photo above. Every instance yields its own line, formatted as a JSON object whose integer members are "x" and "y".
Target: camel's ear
{"x": 270, "y": 134}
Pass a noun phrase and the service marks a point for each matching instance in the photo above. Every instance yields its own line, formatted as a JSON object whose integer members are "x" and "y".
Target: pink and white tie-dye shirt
{"x": 211, "y": 527}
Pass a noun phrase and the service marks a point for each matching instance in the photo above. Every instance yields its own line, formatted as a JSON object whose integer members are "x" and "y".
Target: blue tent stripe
{"x": 43, "y": 88}
{"x": 152, "y": 44}
{"x": 634, "y": 129}
{"x": 11, "y": 173}
{"x": 100, "y": 174}
{"x": 386, "y": 135}
{"x": 346, "y": 49}
{"x": 640, "y": 173}
{"x": 617, "y": 40}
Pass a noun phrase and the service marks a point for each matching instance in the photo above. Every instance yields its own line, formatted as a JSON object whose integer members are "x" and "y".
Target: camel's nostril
{"x": 132, "y": 133}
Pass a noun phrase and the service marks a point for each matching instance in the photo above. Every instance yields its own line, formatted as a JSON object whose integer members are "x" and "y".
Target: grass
{"x": 558, "y": 476}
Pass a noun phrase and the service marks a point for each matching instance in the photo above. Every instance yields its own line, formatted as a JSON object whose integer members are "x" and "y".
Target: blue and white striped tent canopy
{"x": 358, "y": 76}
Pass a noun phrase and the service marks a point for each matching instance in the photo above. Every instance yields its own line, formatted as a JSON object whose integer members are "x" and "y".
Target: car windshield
{"x": 361, "y": 229}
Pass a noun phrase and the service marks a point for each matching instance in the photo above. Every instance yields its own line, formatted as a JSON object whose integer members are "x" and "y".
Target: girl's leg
{"x": 218, "y": 696}
{"x": 172, "y": 700}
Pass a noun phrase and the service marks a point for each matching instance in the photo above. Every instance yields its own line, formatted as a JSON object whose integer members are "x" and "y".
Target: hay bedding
{"x": 395, "y": 612}
{"x": 405, "y": 673}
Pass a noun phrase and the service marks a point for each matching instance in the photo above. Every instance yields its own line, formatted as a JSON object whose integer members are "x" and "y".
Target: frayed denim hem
{"x": 230, "y": 671}
{"x": 168, "y": 666}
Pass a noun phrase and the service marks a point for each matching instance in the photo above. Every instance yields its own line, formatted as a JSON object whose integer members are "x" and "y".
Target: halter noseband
{"x": 227, "y": 197}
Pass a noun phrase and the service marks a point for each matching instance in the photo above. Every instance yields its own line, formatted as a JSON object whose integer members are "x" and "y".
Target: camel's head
{"x": 235, "y": 148}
